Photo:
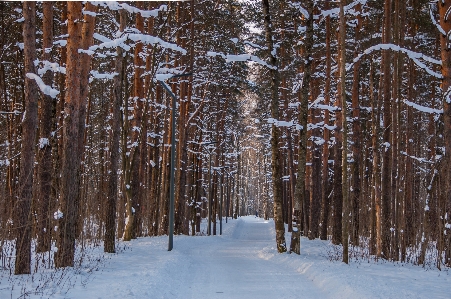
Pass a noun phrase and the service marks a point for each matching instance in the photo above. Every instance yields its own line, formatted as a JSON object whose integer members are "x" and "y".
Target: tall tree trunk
{"x": 315, "y": 149}
{"x": 127, "y": 166}
{"x": 57, "y": 141}
{"x": 25, "y": 188}
{"x": 137, "y": 124}
{"x": 376, "y": 179}
{"x": 112, "y": 198}
{"x": 70, "y": 167}
{"x": 276, "y": 171}
{"x": 325, "y": 202}
{"x": 356, "y": 137}
{"x": 134, "y": 129}
{"x": 338, "y": 171}
{"x": 344, "y": 157}
{"x": 398, "y": 38}
{"x": 299, "y": 195}
{"x": 156, "y": 167}
{"x": 407, "y": 225}
{"x": 45, "y": 131}
{"x": 386, "y": 150}
{"x": 85, "y": 66}
{"x": 185, "y": 99}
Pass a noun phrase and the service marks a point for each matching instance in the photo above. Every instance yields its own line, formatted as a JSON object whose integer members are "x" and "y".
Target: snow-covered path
{"x": 228, "y": 266}
{"x": 243, "y": 263}
{"x": 235, "y": 269}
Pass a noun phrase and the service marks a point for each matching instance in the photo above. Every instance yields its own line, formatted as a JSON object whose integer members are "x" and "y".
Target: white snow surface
{"x": 244, "y": 263}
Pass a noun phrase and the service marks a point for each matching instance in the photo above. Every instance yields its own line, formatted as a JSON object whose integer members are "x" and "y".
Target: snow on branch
{"x": 164, "y": 73}
{"x": 335, "y": 11}
{"x": 61, "y": 42}
{"x": 149, "y": 39}
{"x": 119, "y": 42}
{"x": 422, "y": 160}
{"x": 423, "y": 108}
{"x": 114, "y": 5}
{"x": 214, "y": 54}
{"x": 144, "y": 38}
{"x": 248, "y": 57}
{"x": 15, "y": 112}
{"x": 325, "y": 107}
{"x": 53, "y": 66}
{"x": 101, "y": 38}
{"x": 280, "y": 123}
{"x": 310, "y": 126}
{"x": 89, "y": 13}
{"x": 415, "y": 56}
{"x": 318, "y": 99}
{"x": 108, "y": 76}
{"x": 300, "y": 8}
{"x": 241, "y": 58}
{"x": 440, "y": 29}
{"x": 247, "y": 43}
{"x": 447, "y": 13}
{"x": 316, "y": 105}
{"x": 44, "y": 88}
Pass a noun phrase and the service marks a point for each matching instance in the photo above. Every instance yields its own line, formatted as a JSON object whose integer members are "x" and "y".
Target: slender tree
{"x": 299, "y": 195}
{"x": 275, "y": 164}
{"x": 110, "y": 215}
{"x": 386, "y": 153}
{"x": 325, "y": 202}
{"x": 45, "y": 130}
{"x": 356, "y": 165}
{"x": 344, "y": 157}
{"x": 70, "y": 175}
{"x": 22, "y": 208}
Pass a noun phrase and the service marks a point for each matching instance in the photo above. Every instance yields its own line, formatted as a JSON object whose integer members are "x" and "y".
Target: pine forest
{"x": 124, "y": 120}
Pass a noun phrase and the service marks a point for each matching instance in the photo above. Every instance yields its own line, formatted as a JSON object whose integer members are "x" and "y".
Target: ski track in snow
{"x": 243, "y": 263}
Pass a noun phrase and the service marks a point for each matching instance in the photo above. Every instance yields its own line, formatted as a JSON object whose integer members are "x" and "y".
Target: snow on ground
{"x": 243, "y": 263}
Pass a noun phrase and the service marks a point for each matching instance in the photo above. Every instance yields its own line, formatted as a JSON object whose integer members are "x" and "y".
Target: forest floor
{"x": 243, "y": 263}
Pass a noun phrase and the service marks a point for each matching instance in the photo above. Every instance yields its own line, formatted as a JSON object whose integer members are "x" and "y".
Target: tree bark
{"x": 386, "y": 154}
{"x": 338, "y": 172}
{"x": 276, "y": 171}
{"x": 356, "y": 137}
{"x": 344, "y": 157}
{"x": 87, "y": 32}
{"x": 22, "y": 209}
{"x": 137, "y": 124}
{"x": 45, "y": 130}
{"x": 300, "y": 194}
{"x": 70, "y": 153}
{"x": 110, "y": 215}
{"x": 325, "y": 202}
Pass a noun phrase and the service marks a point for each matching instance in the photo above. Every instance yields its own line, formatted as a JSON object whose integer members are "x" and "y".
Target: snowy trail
{"x": 243, "y": 263}
{"x": 228, "y": 266}
{"x": 233, "y": 269}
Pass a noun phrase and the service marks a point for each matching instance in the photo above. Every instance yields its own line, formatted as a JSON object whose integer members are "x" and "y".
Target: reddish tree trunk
{"x": 70, "y": 153}
{"x": 22, "y": 218}
{"x": 386, "y": 150}
{"x": 45, "y": 130}
{"x": 110, "y": 215}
